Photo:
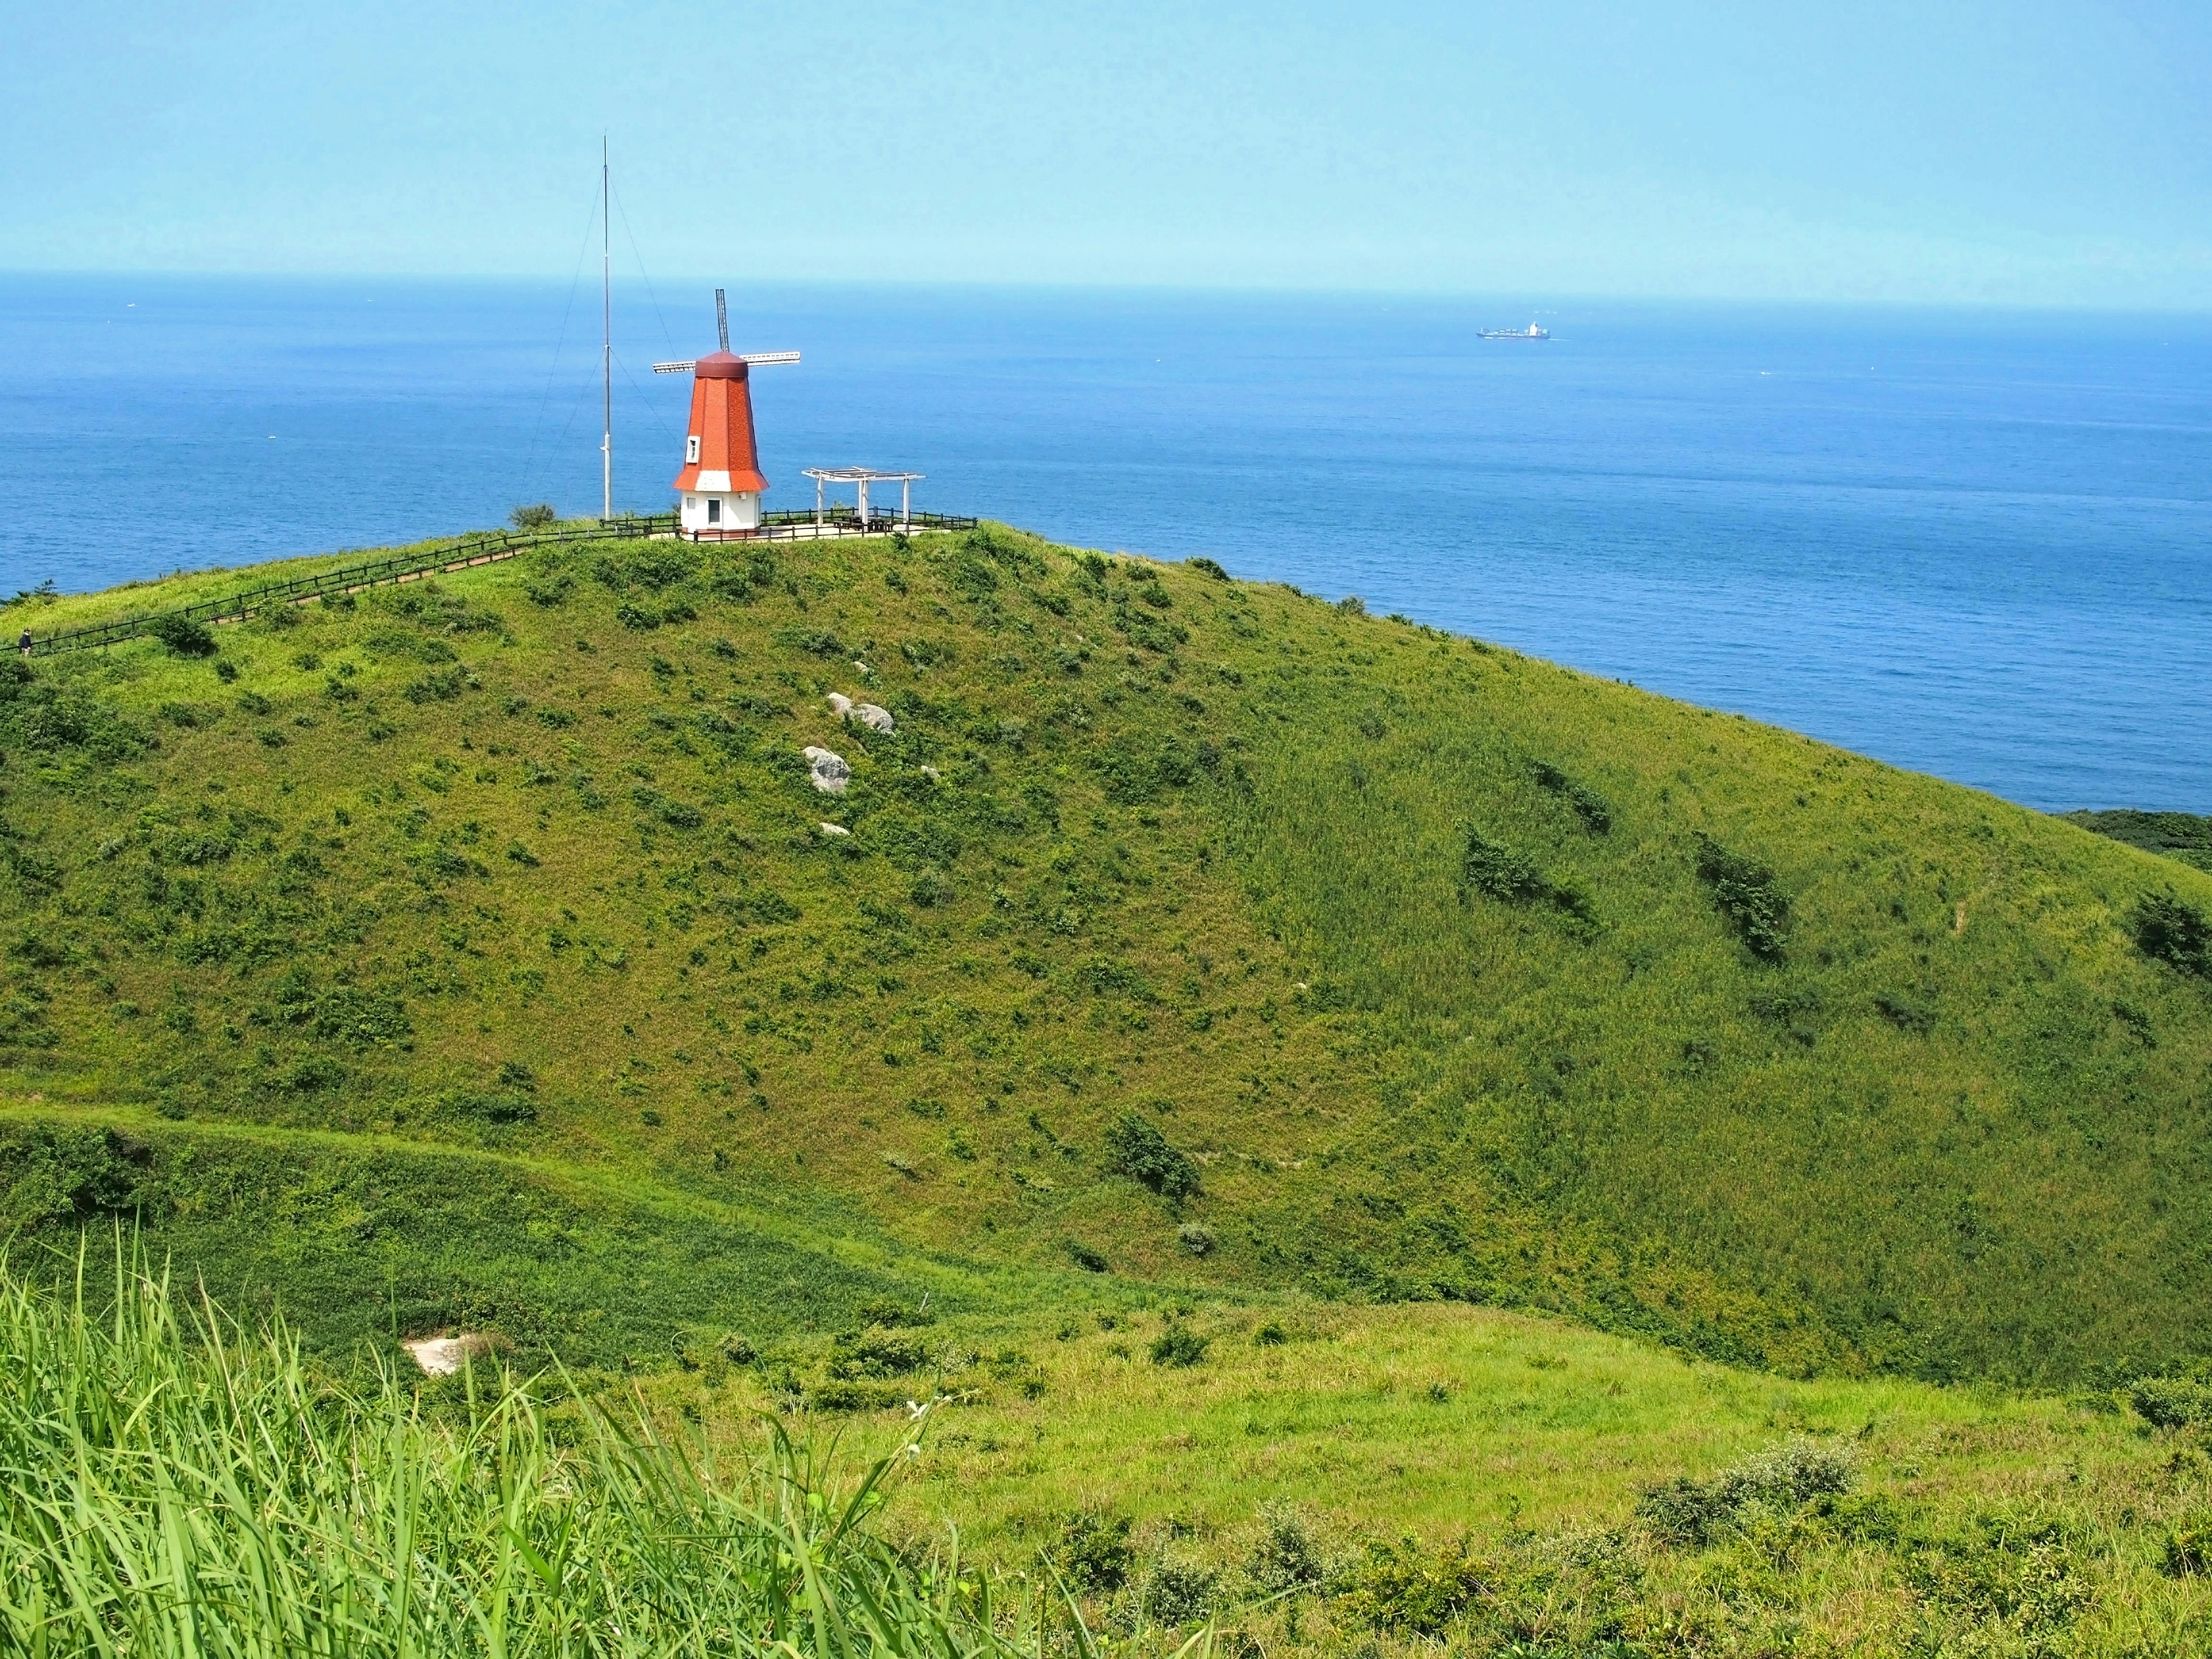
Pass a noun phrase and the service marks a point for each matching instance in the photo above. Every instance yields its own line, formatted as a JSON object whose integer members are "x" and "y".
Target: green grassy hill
{"x": 475, "y": 952}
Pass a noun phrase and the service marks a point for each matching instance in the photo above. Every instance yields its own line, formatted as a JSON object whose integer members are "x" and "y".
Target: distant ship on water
{"x": 1531, "y": 332}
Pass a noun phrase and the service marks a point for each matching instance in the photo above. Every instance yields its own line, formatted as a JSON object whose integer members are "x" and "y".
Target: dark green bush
{"x": 497, "y": 1109}
{"x": 1137, "y": 1149}
{"x": 1179, "y": 1344}
{"x": 892, "y": 1314}
{"x": 2189, "y": 1550}
{"x": 1905, "y": 1012}
{"x": 1748, "y": 896}
{"x": 1178, "y": 1592}
{"x": 1207, "y": 566}
{"x": 1091, "y": 1261}
{"x": 538, "y": 515}
{"x": 1592, "y": 808}
{"x": 1692, "y": 1514}
{"x": 876, "y": 1353}
{"x": 2171, "y": 930}
{"x": 838, "y": 1394}
{"x": 442, "y": 687}
{"x": 1496, "y": 869}
{"x": 1499, "y": 872}
{"x": 184, "y": 636}
{"x": 1093, "y": 1551}
{"x": 2171, "y": 1402}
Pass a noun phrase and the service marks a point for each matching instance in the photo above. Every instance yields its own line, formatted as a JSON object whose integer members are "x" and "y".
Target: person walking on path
{"x": 24, "y": 644}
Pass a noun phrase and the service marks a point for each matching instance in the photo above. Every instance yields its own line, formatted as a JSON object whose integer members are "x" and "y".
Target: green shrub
{"x": 876, "y": 1353}
{"x": 1093, "y": 1551}
{"x": 1180, "y": 1591}
{"x": 2171, "y": 930}
{"x": 1285, "y": 1556}
{"x": 184, "y": 636}
{"x": 1091, "y": 1261}
{"x": 840, "y": 1394}
{"x": 2189, "y": 1549}
{"x": 1748, "y": 896}
{"x": 1692, "y": 1514}
{"x": 441, "y": 687}
{"x": 1408, "y": 1587}
{"x": 891, "y": 1314}
{"x": 1207, "y": 566}
{"x": 539, "y": 515}
{"x": 499, "y": 1109}
{"x": 1196, "y": 1238}
{"x": 1137, "y": 1149}
{"x": 1497, "y": 871}
{"x": 2171, "y": 1402}
{"x": 1905, "y": 1012}
{"x": 1590, "y": 807}
{"x": 1179, "y": 1344}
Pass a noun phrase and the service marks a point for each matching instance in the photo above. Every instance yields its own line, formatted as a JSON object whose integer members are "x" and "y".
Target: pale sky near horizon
{"x": 2043, "y": 152}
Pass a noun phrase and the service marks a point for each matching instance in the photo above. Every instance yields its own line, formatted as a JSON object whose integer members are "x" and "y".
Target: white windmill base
{"x": 711, "y": 510}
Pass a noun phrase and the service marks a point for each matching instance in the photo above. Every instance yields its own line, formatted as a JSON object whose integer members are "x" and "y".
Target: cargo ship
{"x": 1531, "y": 332}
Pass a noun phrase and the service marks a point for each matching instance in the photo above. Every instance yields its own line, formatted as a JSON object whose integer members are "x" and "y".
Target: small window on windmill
{"x": 714, "y": 509}
{"x": 691, "y": 449}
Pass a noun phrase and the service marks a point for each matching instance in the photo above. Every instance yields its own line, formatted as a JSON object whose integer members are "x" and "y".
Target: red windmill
{"x": 721, "y": 481}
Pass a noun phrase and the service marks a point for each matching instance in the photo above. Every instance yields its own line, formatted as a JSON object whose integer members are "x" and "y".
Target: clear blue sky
{"x": 2031, "y": 152}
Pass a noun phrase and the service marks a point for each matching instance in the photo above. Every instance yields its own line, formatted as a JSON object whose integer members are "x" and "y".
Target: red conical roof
{"x": 722, "y": 422}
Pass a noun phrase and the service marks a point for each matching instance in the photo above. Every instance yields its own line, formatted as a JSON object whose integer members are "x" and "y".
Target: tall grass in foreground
{"x": 172, "y": 1483}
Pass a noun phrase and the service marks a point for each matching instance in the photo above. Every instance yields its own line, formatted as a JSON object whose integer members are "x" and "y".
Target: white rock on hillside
{"x": 868, "y": 714}
{"x": 829, "y": 771}
{"x": 441, "y": 1356}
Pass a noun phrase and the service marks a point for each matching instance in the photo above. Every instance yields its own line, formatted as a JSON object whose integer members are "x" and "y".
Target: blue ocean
{"x": 1976, "y": 545}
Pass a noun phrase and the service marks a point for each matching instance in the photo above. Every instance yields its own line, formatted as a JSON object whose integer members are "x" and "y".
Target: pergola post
{"x": 863, "y": 510}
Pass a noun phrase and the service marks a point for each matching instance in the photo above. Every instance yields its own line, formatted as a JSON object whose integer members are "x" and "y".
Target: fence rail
{"x": 832, "y": 522}
{"x": 486, "y": 548}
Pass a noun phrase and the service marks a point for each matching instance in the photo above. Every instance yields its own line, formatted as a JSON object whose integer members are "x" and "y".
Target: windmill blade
{"x": 683, "y": 367}
{"x": 768, "y": 357}
{"x": 722, "y": 319}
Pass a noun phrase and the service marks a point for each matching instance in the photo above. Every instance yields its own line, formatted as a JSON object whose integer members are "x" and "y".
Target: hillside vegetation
{"x": 1392, "y": 1481}
{"x": 475, "y": 952}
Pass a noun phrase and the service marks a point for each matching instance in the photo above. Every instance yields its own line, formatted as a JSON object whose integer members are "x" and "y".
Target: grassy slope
{"x": 1978, "y": 1521}
{"x": 525, "y": 864}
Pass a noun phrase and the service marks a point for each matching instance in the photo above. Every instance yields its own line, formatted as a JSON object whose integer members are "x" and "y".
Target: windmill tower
{"x": 721, "y": 484}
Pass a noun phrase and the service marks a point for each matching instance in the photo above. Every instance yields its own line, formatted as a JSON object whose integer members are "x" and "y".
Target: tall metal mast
{"x": 607, "y": 339}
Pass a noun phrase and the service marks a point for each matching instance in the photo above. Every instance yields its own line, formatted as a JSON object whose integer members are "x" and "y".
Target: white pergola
{"x": 861, "y": 477}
